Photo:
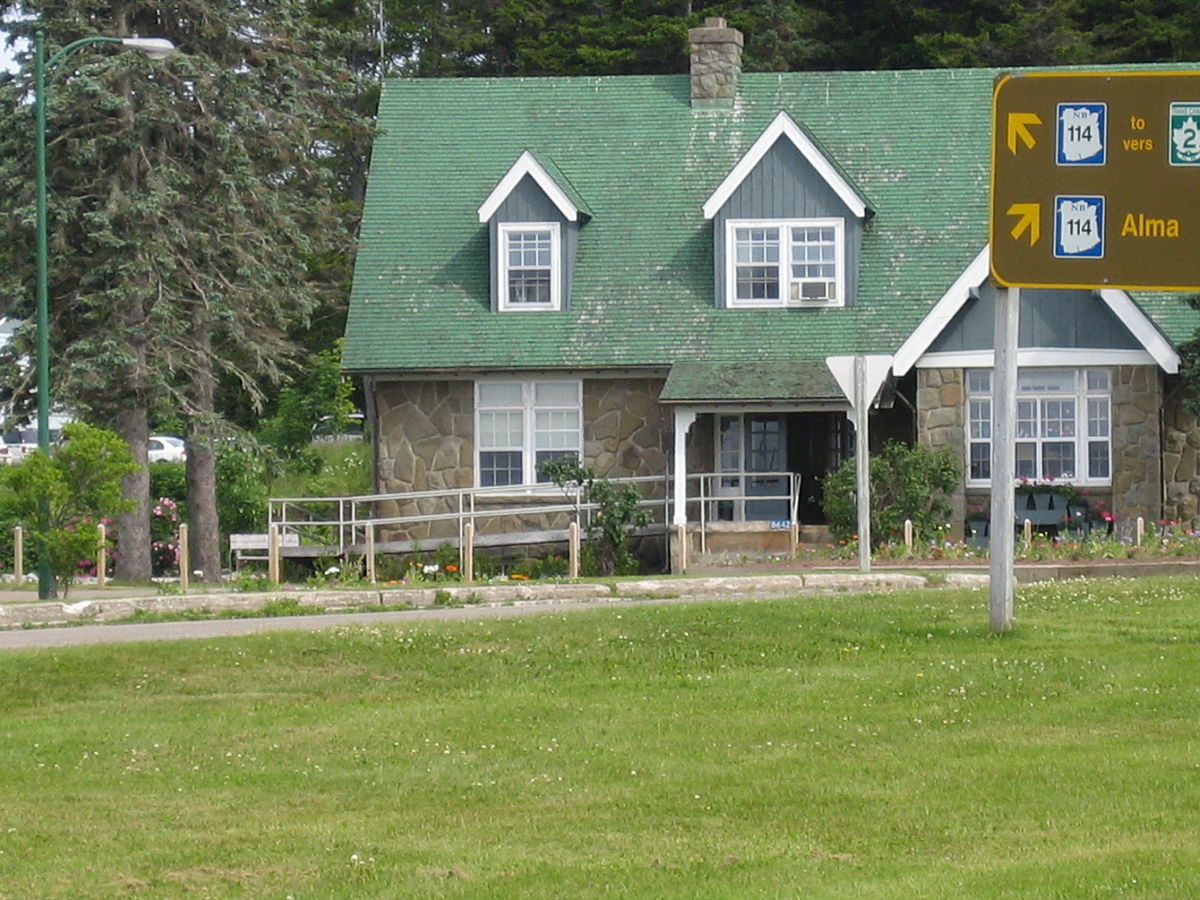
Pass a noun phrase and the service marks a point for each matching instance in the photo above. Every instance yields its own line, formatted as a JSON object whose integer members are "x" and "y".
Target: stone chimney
{"x": 716, "y": 61}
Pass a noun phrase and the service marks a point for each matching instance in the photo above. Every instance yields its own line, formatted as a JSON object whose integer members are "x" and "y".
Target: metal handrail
{"x": 353, "y": 514}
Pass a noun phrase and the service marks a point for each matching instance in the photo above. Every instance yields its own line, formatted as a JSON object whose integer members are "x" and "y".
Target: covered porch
{"x": 752, "y": 442}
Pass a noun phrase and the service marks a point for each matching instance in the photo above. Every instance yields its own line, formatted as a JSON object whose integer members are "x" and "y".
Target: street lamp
{"x": 155, "y": 48}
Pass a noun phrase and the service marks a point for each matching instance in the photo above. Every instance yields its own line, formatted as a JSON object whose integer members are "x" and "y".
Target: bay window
{"x": 1063, "y": 425}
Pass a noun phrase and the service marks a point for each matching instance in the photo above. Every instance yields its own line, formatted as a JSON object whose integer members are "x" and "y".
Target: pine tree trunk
{"x": 205, "y": 533}
{"x": 133, "y": 527}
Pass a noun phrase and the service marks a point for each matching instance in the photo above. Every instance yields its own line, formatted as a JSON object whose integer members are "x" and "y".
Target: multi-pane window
{"x": 757, "y": 253}
{"x": 814, "y": 263}
{"x": 520, "y": 424}
{"x": 529, "y": 270}
{"x": 795, "y": 263}
{"x": 1063, "y": 425}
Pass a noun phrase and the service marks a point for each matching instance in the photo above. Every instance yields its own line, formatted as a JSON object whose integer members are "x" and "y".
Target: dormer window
{"x": 797, "y": 262}
{"x": 787, "y": 226}
{"x": 529, "y": 272}
{"x": 533, "y": 217}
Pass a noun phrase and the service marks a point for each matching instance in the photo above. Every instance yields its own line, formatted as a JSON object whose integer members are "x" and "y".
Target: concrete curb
{"x": 98, "y": 610}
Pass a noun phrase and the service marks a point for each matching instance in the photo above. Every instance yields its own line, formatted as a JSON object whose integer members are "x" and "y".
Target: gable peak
{"x": 528, "y": 165}
{"x": 784, "y": 126}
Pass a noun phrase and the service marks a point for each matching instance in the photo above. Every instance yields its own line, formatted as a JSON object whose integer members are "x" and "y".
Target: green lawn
{"x": 882, "y": 746}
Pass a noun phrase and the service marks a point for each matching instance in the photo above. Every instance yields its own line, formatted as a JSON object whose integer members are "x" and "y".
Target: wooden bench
{"x": 256, "y": 547}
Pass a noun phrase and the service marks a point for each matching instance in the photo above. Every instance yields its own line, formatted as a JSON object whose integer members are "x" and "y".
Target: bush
{"x": 617, "y": 514}
{"x": 242, "y": 486}
{"x": 321, "y": 390}
{"x": 907, "y": 482}
{"x": 63, "y": 498}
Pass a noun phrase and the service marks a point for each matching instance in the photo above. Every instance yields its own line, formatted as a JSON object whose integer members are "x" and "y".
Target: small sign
{"x": 1185, "y": 134}
{"x": 1082, "y": 134}
{"x": 1079, "y": 227}
{"x": 781, "y": 524}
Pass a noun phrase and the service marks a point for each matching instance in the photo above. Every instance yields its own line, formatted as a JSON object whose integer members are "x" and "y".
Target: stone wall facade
{"x": 426, "y": 435}
{"x": 1181, "y": 458}
{"x": 426, "y": 442}
{"x": 1137, "y": 452}
{"x": 626, "y": 433}
{"x": 1136, "y": 446}
{"x": 942, "y": 425}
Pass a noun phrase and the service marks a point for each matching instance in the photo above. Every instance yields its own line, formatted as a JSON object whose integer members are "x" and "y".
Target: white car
{"x": 11, "y": 453}
{"x": 351, "y": 428}
{"x": 165, "y": 448}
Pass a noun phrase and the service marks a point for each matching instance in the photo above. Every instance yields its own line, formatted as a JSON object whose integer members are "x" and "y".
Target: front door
{"x": 746, "y": 445}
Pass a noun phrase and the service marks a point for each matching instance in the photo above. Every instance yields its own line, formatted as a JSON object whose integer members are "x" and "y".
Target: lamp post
{"x": 155, "y": 48}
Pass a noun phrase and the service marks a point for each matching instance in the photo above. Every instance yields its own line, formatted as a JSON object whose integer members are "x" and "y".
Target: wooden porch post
{"x": 684, "y": 419}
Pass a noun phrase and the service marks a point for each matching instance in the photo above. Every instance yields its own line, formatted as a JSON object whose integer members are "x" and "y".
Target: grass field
{"x": 882, "y": 746}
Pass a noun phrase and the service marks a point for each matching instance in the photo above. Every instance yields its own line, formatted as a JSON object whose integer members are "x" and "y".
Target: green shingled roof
{"x": 720, "y": 382}
{"x": 915, "y": 142}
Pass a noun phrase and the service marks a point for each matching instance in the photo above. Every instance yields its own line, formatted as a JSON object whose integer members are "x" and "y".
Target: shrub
{"x": 164, "y": 536}
{"x": 616, "y": 516}
{"x": 63, "y": 498}
{"x": 242, "y": 486}
{"x": 907, "y": 482}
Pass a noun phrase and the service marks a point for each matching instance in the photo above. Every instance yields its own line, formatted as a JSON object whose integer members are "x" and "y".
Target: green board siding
{"x": 1058, "y": 319}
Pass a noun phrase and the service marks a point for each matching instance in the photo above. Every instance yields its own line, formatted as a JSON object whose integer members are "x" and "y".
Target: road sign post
{"x": 1096, "y": 180}
{"x": 1095, "y": 184}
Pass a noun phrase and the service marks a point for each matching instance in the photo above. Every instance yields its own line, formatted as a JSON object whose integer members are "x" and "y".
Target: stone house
{"x": 654, "y": 272}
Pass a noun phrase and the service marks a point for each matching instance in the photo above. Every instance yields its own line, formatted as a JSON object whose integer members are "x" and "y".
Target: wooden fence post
{"x": 185, "y": 564}
{"x": 273, "y": 573}
{"x": 19, "y": 554}
{"x": 573, "y": 550}
{"x": 101, "y": 556}
{"x": 681, "y": 550}
{"x": 371, "y": 552}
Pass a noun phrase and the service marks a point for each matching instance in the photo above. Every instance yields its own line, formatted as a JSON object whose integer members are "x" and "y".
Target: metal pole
{"x": 45, "y": 578}
{"x": 1004, "y": 406}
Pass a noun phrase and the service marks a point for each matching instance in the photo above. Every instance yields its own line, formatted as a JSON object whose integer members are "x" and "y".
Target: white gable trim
{"x": 527, "y": 164}
{"x": 785, "y": 126}
{"x": 912, "y": 351}
{"x": 943, "y": 311}
{"x": 1142, "y": 328}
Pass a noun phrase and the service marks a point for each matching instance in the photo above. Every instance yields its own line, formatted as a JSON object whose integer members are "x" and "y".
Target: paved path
{"x": 79, "y": 635}
{"x": 498, "y": 601}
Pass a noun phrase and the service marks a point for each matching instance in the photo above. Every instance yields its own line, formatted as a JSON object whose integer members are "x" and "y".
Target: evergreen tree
{"x": 189, "y": 201}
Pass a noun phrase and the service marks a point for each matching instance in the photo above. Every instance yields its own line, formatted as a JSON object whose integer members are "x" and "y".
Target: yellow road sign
{"x": 1096, "y": 180}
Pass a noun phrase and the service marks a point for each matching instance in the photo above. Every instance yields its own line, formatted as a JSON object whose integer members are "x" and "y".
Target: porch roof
{"x": 775, "y": 381}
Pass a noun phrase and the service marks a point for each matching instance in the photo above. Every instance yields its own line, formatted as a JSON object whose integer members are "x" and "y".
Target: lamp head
{"x": 155, "y": 48}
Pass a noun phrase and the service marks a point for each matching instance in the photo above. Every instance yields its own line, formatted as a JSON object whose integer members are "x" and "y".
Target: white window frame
{"x": 979, "y": 432}
{"x": 505, "y": 230}
{"x": 529, "y": 409}
{"x": 784, "y": 263}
